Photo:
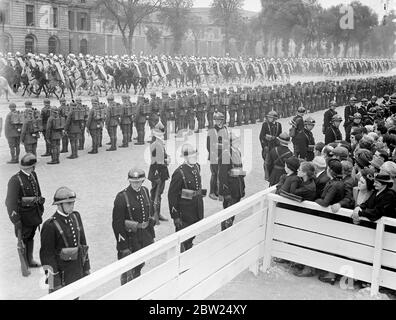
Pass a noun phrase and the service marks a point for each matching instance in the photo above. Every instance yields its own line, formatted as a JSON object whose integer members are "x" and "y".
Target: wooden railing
{"x": 330, "y": 242}
{"x": 193, "y": 274}
{"x": 267, "y": 225}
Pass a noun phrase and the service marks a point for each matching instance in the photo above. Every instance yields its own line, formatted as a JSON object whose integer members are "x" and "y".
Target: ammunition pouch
{"x": 237, "y": 172}
{"x": 29, "y": 202}
{"x": 69, "y": 254}
{"x": 132, "y": 226}
{"x": 190, "y": 194}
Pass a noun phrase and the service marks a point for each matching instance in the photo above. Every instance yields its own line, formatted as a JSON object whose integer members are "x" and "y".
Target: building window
{"x": 53, "y": 45}
{"x": 29, "y": 44}
{"x": 84, "y": 46}
{"x": 83, "y": 21}
{"x": 4, "y": 13}
{"x": 71, "y": 20}
{"x": 55, "y": 17}
{"x": 29, "y": 15}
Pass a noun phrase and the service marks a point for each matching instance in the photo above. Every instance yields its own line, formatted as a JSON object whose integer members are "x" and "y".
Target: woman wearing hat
{"x": 64, "y": 250}
{"x": 365, "y": 187}
{"x": 133, "y": 220}
{"x": 185, "y": 194}
{"x": 275, "y": 162}
{"x": 289, "y": 181}
{"x": 382, "y": 201}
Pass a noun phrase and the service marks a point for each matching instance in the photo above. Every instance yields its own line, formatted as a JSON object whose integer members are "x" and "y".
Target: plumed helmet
{"x": 64, "y": 195}
{"x": 28, "y": 161}
{"x": 137, "y": 174}
{"x": 188, "y": 150}
{"x": 218, "y": 116}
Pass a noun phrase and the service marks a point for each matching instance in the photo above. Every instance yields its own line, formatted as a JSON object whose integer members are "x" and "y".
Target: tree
{"x": 127, "y": 15}
{"x": 225, "y": 13}
{"x": 153, "y": 36}
{"x": 175, "y": 15}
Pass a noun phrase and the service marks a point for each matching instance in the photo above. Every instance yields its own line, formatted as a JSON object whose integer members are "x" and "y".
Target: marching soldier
{"x": 12, "y": 130}
{"x": 202, "y": 102}
{"x": 155, "y": 110}
{"x": 191, "y": 109}
{"x": 126, "y": 121}
{"x": 233, "y": 105}
{"x": 276, "y": 159}
{"x": 64, "y": 250}
{"x": 158, "y": 172}
{"x": 25, "y": 205}
{"x": 218, "y": 140}
{"x": 112, "y": 121}
{"x": 212, "y": 105}
{"x": 133, "y": 221}
{"x": 85, "y": 109}
{"x": 95, "y": 121}
{"x": 64, "y": 112}
{"x": 142, "y": 105}
{"x": 45, "y": 114}
{"x": 164, "y": 112}
{"x": 270, "y": 131}
{"x": 73, "y": 129}
{"x": 304, "y": 142}
{"x": 231, "y": 178}
{"x": 328, "y": 116}
{"x": 185, "y": 195}
{"x": 31, "y": 128}
{"x": 54, "y": 132}
{"x": 333, "y": 133}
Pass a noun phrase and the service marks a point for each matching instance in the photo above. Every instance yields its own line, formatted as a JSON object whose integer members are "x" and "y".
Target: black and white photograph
{"x": 214, "y": 152}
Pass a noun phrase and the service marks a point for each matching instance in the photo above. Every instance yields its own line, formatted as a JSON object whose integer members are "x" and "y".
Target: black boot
{"x": 13, "y": 156}
{"x": 29, "y": 255}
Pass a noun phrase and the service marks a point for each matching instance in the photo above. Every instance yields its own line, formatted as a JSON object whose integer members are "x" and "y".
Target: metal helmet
{"x": 272, "y": 114}
{"x": 218, "y": 116}
{"x": 28, "y": 161}
{"x": 301, "y": 110}
{"x": 336, "y": 118}
{"x": 188, "y": 150}
{"x": 136, "y": 174}
{"x": 353, "y": 99}
{"x": 333, "y": 104}
{"x": 64, "y": 195}
{"x": 309, "y": 121}
{"x": 364, "y": 100}
{"x": 357, "y": 115}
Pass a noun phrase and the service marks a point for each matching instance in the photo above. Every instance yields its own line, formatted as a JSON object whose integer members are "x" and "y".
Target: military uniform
{"x": 45, "y": 114}
{"x": 30, "y": 132}
{"x": 112, "y": 121}
{"x": 25, "y": 205}
{"x": 73, "y": 128}
{"x": 202, "y": 102}
{"x": 126, "y": 121}
{"x": 181, "y": 112}
{"x": 268, "y": 135}
{"x": 85, "y": 109}
{"x": 304, "y": 145}
{"x": 133, "y": 224}
{"x": 234, "y": 103}
{"x": 95, "y": 122}
{"x": 327, "y": 117}
{"x": 54, "y": 132}
{"x": 64, "y": 250}
{"x": 155, "y": 111}
{"x": 164, "y": 112}
{"x": 275, "y": 162}
{"x": 12, "y": 130}
{"x": 191, "y": 109}
{"x": 142, "y": 114}
{"x": 64, "y": 112}
{"x": 188, "y": 209}
{"x": 212, "y": 106}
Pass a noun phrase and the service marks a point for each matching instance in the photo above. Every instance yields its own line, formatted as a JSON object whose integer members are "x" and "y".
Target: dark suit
{"x": 377, "y": 206}
{"x": 321, "y": 182}
{"x": 304, "y": 144}
{"x": 275, "y": 163}
{"x": 332, "y": 193}
{"x": 332, "y": 134}
{"x": 306, "y": 190}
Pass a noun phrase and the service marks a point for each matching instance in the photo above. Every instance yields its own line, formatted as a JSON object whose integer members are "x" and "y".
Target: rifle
{"x": 22, "y": 254}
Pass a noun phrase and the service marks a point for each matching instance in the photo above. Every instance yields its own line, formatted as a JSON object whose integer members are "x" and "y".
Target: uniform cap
{"x": 301, "y": 110}
{"x": 188, "y": 150}
{"x": 309, "y": 120}
{"x": 64, "y": 195}
{"x": 336, "y": 117}
{"x": 284, "y": 138}
{"x": 218, "y": 116}
{"x": 357, "y": 115}
{"x": 273, "y": 114}
{"x": 29, "y": 160}
{"x": 384, "y": 178}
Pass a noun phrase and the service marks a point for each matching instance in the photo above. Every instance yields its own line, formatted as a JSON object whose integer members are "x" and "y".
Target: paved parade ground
{"x": 99, "y": 177}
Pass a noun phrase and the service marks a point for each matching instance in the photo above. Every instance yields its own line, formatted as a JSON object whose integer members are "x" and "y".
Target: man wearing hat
{"x": 349, "y": 111}
{"x": 126, "y": 121}
{"x": 95, "y": 121}
{"x": 45, "y": 114}
{"x": 25, "y": 205}
{"x": 275, "y": 162}
{"x": 64, "y": 112}
{"x": 12, "y": 130}
{"x": 54, "y": 132}
{"x": 64, "y": 250}
{"x": 85, "y": 109}
{"x": 321, "y": 177}
{"x": 158, "y": 172}
{"x": 185, "y": 194}
{"x": 328, "y": 116}
{"x": 73, "y": 130}
{"x": 133, "y": 220}
{"x": 297, "y": 125}
{"x": 112, "y": 121}
{"x": 212, "y": 105}
{"x": 29, "y": 133}
{"x": 333, "y": 133}
{"x": 304, "y": 142}
{"x": 218, "y": 140}
{"x": 181, "y": 111}
{"x": 270, "y": 131}
{"x": 155, "y": 110}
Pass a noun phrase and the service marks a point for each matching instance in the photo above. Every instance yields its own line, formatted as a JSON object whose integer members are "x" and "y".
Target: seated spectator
{"x": 381, "y": 130}
{"x": 365, "y": 187}
{"x": 373, "y": 136}
{"x": 389, "y": 168}
{"x": 349, "y": 183}
{"x": 289, "y": 181}
{"x": 327, "y": 152}
{"x": 382, "y": 201}
{"x": 376, "y": 164}
{"x": 321, "y": 177}
{"x": 306, "y": 188}
{"x": 381, "y": 150}
{"x": 340, "y": 153}
{"x": 355, "y": 138}
{"x": 334, "y": 190}
{"x": 363, "y": 158}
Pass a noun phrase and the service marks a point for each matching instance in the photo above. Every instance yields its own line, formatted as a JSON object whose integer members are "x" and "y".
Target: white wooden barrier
{"x": 355, "y": 251}
{"x": 193, "y": 274}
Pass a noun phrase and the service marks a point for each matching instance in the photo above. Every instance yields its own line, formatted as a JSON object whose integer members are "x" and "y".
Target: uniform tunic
{"x": 304, "y": 145}
{"x": 276, "y": 163}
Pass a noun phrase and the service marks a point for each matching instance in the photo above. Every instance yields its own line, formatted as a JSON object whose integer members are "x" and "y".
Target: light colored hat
{"x": 319, "y": 162}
